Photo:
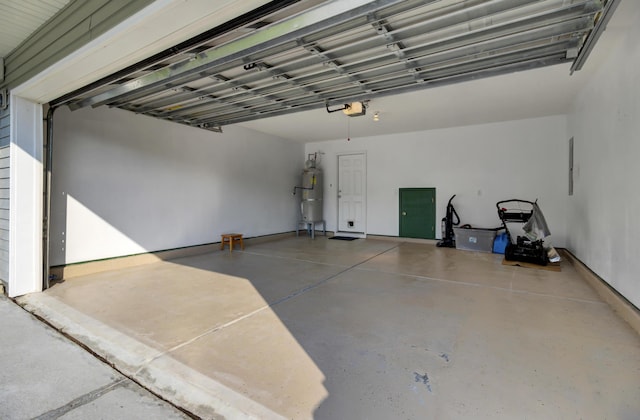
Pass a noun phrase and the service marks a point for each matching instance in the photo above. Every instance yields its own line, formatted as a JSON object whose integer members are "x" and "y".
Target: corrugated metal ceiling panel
{"x": 334, "y": 52}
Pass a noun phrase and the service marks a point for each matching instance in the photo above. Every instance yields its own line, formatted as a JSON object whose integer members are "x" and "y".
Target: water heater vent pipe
{"x": 310, "y": 163}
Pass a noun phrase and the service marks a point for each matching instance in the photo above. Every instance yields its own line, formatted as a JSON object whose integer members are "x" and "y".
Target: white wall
{"x": 126, "y": 184}
{"x": 481, "y": 164}
{"x": 604, "y": 213}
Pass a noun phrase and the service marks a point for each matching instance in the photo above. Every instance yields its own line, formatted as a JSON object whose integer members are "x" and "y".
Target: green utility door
{"x": 418, "y": 213}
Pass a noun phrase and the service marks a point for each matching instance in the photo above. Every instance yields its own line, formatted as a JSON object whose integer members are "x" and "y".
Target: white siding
{"x": 4, "y": 195}
{"x": 4, "y": 128}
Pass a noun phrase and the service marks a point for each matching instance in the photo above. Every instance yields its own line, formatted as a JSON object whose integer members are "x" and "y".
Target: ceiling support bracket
{"x": 601, "y": 24}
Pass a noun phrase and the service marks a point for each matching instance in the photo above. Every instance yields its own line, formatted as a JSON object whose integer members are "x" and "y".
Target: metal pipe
{"x": 313, "y": 183}
{"x": 46, "y": 222}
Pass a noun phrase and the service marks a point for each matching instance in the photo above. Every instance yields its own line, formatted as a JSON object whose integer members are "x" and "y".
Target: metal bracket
{"x": 345, "y": 106}
{"x": 594, "y": 35}
{"x": 4, "y": 99}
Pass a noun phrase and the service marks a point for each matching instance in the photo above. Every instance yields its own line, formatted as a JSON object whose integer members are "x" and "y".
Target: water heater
{"x": 311, "y": 204}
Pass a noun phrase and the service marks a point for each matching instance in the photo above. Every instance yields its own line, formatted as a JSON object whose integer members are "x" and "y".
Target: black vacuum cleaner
{"x": 448, "y": 236}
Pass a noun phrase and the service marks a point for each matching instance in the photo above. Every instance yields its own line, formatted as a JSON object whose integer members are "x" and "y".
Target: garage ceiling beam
{"x": 544, "y": 55}
{"x": 457, "y": 78}
{"x": 490, "y": 38}
{"x": 428, "y": 26}
{"x": 278, "y": 34}
{"x": 425, "y": 60}
{"x": 342, "y": 51}
{"x": 590, "y": 42}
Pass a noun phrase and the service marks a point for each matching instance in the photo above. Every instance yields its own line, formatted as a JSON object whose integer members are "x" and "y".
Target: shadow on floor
{"x": 307, "y": 328}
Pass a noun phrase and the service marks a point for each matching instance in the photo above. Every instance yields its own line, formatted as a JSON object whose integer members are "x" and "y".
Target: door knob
{"x": 404, "y": 213}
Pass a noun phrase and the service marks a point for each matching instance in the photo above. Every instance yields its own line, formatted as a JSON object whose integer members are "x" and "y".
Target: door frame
{"x": 362, "y": 234}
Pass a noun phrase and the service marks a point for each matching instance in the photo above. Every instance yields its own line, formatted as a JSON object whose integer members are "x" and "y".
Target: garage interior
{"x": 155, "y": 158}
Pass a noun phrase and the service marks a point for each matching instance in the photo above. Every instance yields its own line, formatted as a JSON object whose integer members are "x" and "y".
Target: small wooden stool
{"x": 228, "y": 238}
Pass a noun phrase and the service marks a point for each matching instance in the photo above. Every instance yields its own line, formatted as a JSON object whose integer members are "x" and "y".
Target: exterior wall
{"x": 126, "y": 184}
{"x": 5, "y": 139}
{"x": 603, "y": 214}
{"x": 481, "y": 164}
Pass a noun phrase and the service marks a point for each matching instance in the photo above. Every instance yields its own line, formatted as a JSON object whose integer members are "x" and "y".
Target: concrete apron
{"x": 153, "y": 369}
{"x": 371, "y": 328}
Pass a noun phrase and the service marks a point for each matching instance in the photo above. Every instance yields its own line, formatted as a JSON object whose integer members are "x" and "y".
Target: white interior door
{"x": 352, "y": 171}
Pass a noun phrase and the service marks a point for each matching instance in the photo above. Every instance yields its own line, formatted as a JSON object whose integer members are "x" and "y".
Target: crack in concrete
{"x": 272, "y": 304}
{"x": 489, "y": 286}
{"x": 82, "y": 400}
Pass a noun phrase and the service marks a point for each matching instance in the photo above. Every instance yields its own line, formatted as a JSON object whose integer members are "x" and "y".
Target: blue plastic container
{"x": 500, "y": 243}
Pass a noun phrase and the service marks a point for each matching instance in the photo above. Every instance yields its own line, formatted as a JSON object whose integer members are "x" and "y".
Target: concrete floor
{"x": 376, "y": 329}
{"x": 45, "y": 376}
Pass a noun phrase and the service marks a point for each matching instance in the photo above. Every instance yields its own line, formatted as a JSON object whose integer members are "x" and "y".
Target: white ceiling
{"x": 19, "y": 19}
{"x": 528, "y": 94}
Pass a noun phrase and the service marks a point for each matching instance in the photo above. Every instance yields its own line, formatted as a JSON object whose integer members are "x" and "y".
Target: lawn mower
{"x": 529, "y": 248}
